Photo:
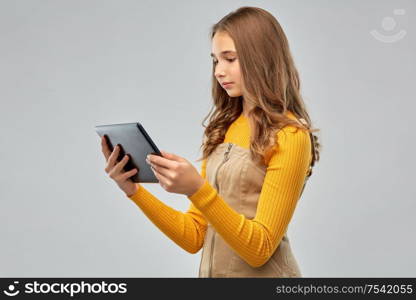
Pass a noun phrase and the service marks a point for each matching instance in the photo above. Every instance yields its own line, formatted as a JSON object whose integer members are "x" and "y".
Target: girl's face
{"x": 227, "y": 66}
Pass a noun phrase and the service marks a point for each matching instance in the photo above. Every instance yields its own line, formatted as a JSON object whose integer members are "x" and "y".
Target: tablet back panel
{"x": 135, "y": 142}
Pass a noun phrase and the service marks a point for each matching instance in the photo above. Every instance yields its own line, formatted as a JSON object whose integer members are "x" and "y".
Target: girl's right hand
{"x": 115, "y": 171}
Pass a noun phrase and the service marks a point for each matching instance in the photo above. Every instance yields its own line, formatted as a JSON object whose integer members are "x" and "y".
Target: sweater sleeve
{"x": 187, "y": 229}
{"x": 256, "y": 240}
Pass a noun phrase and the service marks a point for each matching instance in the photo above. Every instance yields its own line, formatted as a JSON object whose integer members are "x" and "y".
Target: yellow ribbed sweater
{"x": 253, "y": 240}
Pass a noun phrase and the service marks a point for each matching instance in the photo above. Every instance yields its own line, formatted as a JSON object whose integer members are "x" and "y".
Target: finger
{"x": 120, "y": 165}
{"x": 113, "y": 157}
{"x": 162, "y": 162}
{"x": 163, "y": 171}
{"x": 104, "y": 148}
{"x": 171, "y": 156}
{"x": 159, "y": 178}
{"x": 162, "y": 179}
{"x": 128, "y": 174}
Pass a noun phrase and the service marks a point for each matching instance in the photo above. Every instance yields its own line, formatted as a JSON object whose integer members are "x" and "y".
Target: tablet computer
{"x": 134, "y": 141}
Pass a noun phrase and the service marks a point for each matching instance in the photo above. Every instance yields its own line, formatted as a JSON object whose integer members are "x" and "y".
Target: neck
{"x": 246, "y": 108}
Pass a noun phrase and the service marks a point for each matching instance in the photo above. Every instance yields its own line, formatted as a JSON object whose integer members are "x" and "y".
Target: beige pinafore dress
{"x": 238, "y": 180}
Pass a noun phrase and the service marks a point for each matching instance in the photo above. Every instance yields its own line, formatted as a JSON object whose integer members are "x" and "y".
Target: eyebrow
{"x": 224, "y": 52}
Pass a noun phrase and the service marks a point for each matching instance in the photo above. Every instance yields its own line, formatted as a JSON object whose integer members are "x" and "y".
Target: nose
{"x": 219, "y": 71}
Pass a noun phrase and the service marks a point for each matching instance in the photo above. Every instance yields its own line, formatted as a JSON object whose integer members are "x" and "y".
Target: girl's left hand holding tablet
{"x": 175, "y": 173}
{"x": 114, "y": 169}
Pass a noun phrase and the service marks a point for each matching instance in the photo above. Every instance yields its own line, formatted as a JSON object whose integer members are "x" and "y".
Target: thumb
{"x": 171, "y": 156}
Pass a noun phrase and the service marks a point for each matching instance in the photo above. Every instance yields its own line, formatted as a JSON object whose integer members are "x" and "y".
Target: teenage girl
{"x": 258, "y": 152}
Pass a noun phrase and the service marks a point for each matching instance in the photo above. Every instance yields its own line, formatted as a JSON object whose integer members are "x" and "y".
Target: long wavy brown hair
{"x": 270, "y": 86}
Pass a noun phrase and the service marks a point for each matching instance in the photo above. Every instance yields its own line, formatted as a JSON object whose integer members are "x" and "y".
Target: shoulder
{"x": 292, "y": 138}
{"x": 290, "y": 143}
{"x": 290, "y": 129}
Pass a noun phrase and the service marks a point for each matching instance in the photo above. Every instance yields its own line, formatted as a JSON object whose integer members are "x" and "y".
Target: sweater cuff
{"x": 135, "y": 197}
{"x": 204, "y": 196}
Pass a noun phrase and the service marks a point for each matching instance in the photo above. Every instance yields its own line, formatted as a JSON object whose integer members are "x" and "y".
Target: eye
{"x": 229, "y": 60}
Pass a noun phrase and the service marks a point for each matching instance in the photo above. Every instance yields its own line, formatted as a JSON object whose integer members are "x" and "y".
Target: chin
{"x": 233, "y": 94}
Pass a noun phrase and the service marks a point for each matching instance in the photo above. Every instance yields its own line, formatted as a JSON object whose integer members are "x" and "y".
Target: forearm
{"x": 251, "y": 239}
{"x": 180, "y": 227}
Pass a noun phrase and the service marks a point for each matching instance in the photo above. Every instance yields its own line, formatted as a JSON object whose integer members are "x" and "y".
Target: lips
{"x": 225, "y": 83}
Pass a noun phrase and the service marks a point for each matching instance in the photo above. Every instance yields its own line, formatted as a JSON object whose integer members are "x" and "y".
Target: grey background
{"x": 67, "y": 66}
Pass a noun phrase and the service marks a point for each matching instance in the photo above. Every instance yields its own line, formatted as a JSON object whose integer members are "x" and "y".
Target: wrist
{"x": 136, "y": 189}
{"x": 197, "y": 187}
